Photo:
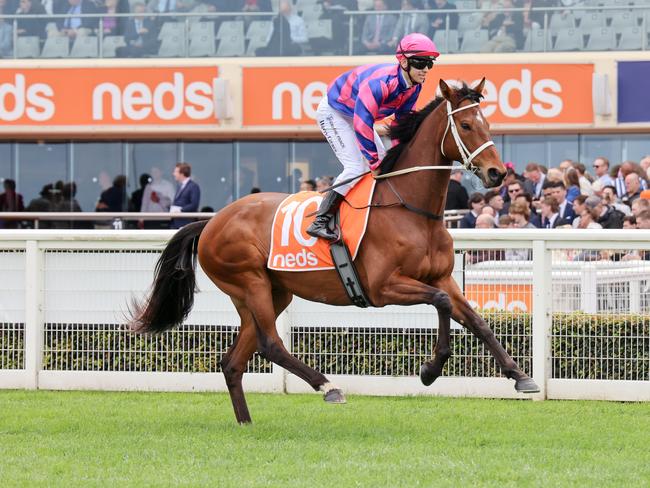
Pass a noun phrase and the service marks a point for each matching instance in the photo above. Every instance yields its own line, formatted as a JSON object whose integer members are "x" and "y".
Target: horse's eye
{"x": 465, "y": 126}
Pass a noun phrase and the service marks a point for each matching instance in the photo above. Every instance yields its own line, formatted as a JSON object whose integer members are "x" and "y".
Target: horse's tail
{"x": 172, "y": 295}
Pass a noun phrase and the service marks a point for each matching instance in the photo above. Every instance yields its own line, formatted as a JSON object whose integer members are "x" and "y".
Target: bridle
{"x": 465, "y": 154}
{"x": 468, "y": 157}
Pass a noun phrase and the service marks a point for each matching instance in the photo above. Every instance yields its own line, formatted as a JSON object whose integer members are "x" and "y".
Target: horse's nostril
{"x": 495, "y": 176}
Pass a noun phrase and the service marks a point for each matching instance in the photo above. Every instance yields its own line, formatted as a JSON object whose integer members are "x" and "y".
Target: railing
{"x": 117, "y": 219}
{"x": 64, "y": 294}
{"x": 190, "y": 41}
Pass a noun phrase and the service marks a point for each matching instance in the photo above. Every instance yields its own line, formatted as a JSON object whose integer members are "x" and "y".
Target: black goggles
{"x": 421, "y": 63}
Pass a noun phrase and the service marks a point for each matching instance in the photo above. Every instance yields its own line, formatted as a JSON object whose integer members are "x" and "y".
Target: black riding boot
{"x": 327, "y": 209}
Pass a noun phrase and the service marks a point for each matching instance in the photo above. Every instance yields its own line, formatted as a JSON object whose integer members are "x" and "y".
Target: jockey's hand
{"x": 382, "y": 130}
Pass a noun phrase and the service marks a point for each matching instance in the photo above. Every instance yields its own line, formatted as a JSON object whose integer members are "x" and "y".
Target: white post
{"x": 542, "y": 317}
{"x": 33, "y": 312}
{"x": 283, "y": 326}
{"x": 588, "y": 289}
{"x": 635, "y": 295}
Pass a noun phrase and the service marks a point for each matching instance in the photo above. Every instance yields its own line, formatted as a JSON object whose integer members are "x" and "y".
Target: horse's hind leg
{"x": 233, "y": 363}
{"x": 266, "y": 306}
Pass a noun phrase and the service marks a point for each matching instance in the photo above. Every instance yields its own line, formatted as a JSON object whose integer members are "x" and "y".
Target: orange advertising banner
{"x": 511, "y": 298}
{"x": 514, "y": 93}
{"x": 108, "y": 96}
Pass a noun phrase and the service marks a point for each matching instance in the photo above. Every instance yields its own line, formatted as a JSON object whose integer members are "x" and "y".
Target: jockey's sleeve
{"x": 366, "y": 111}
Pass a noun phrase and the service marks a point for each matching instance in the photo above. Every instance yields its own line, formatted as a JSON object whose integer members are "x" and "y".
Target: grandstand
{"x": 553, "y": 93}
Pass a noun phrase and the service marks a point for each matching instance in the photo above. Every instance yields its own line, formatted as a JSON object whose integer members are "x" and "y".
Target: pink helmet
{"x": 416, "y": 45}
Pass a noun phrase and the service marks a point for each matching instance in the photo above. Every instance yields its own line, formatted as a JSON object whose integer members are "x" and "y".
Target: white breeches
{"x": 339, "y": 132}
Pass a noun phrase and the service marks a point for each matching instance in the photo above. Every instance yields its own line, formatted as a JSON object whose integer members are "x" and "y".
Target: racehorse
{"x": 406, "y": 258}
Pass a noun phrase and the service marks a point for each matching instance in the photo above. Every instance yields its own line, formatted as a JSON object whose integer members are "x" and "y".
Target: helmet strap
{"x": 408, "y": 71}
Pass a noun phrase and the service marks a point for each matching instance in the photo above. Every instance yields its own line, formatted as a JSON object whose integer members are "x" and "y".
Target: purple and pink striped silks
{"x": 370, "y": 93}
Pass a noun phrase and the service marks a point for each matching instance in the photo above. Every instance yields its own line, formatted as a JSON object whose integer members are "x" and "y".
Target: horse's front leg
{"x": 407, "y": 291}
{"x": 464, "y": 314}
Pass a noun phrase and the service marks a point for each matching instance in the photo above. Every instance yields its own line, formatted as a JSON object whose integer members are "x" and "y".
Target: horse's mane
{"x": 406, "y": 126}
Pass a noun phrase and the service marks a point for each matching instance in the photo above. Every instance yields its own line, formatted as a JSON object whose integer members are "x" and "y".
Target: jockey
{"x": 354, "y": 102}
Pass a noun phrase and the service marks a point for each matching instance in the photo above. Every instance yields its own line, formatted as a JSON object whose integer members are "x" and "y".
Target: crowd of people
{"x": 155, "y": 194}
{"x": 568, "y": 196}
{"x": 377, "y": 32}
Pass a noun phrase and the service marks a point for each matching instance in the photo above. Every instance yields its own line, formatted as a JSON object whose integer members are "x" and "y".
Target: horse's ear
{"x": 445, "y": 90}
{"x": 479, "y": 88}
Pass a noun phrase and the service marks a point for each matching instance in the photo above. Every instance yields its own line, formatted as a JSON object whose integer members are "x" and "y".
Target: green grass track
{"x": 191, "y": 439}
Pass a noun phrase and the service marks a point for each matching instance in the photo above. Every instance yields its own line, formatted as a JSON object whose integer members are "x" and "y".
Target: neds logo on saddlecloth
{"x": 515, "y": 94}
{"x": 108, "y": 96}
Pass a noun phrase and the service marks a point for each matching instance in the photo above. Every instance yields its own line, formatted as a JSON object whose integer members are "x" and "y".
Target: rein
{"x": 466, "y": 155}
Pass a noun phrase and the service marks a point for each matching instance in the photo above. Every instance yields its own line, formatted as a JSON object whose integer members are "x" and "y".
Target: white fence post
{"x": 542, "y": 318}
{"x": 589, "y": 289}
{"x": 33, "y": 312}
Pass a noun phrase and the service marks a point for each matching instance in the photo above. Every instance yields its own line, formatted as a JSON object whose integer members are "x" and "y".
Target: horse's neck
{"x": 425, "y": 189}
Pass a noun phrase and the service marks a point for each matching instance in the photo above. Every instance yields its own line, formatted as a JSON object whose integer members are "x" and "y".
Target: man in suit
{"x": 557, "y": 190}
{"x": 187, "y": 195}
{"x": 534, "y": 180}
{"x": 140, "y": 35}
{"x": 378, "y": 31}
{"x": 550, "y": 213}
{"x": 476, "y": 202}
{"x": 457, "y": 196}
{"x": 70, "y": 25}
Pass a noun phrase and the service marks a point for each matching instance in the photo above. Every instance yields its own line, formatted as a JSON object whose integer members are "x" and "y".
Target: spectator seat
{"x": 622, "y": 21}
{"x": 56, "y": 47}
{"x": 535, "y": 40}
{"x": 172, "y": 46}
{"x": 110, "y": 45}
{"x": 231, "y": 28}
{"x": 469, "y": 22}
{"x": 84, "y": 47}
{"x": 602, "y": 39}
{"x": 259, "y": 28}
{"x": 631, "y": 39}
{"x": 447, "y": 43}
{"x": 231, "y": 46}
{"x": 201, "y": 45}
{"x": 473, "y": 41}
{"x": 559, "y": 23}
{"x": 28, "y": 47}
{"x": 593, "y": 20}
{"x": 569, "y": 40}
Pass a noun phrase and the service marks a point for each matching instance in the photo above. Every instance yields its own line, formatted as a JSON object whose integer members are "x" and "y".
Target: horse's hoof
{"x": 526, "y": 385}
{"x": 334, "y": 396}
{"x": 427, "y": 374}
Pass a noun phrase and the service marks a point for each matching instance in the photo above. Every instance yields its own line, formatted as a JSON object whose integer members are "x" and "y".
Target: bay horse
{"x": 406, "y": 257}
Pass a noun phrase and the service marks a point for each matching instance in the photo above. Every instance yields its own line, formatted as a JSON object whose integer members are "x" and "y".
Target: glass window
{"x": 6, "y": 162}
{"x": 593, "y": 146}
{"x": 312, "y": 160}
{"x": 213, "y": 169}
{"x": 94, "y": 167}
{"x": 151, "y": 157}
{"x": 635, "y": 147}
{"x": 547, "y": 150}
{"x": 263, "y": 165}
{"x": 40, "y": 164}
